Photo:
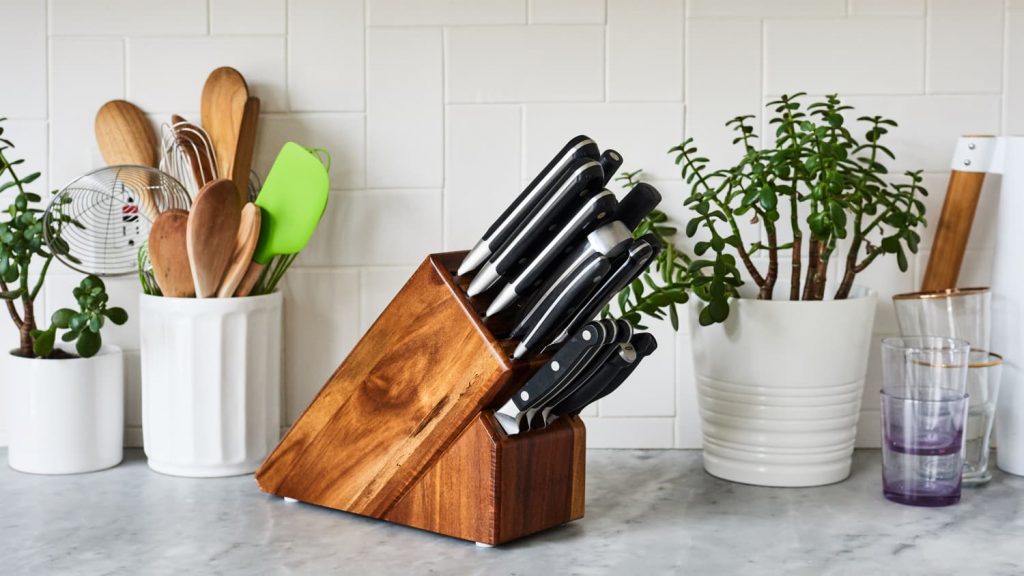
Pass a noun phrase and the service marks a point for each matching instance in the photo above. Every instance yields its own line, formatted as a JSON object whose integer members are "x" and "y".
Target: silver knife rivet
{"x": 967, "y": 162}
{"x": 524, "y": 395}
{"x": 555, "y": 366}
{"x": 601, "y": 215}
{"x": 971, "y": 146}
{"x": 587, "y": 336}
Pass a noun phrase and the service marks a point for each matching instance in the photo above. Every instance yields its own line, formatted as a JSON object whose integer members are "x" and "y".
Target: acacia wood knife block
{"x": 404, "y": 430}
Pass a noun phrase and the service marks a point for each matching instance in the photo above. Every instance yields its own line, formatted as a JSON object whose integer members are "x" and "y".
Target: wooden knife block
{"x": 404, "y": 430}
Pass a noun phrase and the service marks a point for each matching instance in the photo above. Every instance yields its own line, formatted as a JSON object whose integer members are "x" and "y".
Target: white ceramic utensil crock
{"x": 211, "y": 383}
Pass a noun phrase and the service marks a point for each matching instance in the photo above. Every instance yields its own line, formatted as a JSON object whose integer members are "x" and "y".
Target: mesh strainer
{"x": 96, "y": 223}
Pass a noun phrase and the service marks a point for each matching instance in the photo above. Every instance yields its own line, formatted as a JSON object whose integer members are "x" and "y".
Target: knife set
{"x": 457, "y": 413}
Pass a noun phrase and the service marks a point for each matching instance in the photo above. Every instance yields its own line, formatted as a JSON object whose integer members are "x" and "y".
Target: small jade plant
{"x": 84, "y": 326}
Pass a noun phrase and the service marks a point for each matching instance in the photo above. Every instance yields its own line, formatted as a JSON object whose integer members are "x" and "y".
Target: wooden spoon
{"x": 244, "y": 148}
{"x": 168, "y": 253}
{"x": 222, "y": 108}
{"x": 125, "y": 135}
{"x": 210, "y": 237}
{"x": 245, "y": 245}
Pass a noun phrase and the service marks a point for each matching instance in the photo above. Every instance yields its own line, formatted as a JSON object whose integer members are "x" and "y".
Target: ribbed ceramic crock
{"x": 211, "y": 383}
{"x": 780, "y": 385}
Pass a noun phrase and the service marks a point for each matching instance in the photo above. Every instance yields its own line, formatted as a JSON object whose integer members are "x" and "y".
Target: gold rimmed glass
{"x": 963, "y": 313}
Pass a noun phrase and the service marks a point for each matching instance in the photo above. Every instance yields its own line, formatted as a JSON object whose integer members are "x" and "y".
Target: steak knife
{"x": 531, "y": 197}
{"x": 606, "y": 380}
{"x": 558, "y": 303}
{"x": 585, "y": 180}
{"x": 571, "y": 358}
{"x": 595, "y": 212}
{"x": 540, "y": 414}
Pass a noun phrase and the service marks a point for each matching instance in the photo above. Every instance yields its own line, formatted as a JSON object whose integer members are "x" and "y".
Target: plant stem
{"x": 11, "y": 309}
{"x": 813, "y": 253}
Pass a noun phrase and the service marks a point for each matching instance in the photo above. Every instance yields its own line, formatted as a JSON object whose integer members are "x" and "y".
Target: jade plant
{"x": 25, "y": 259}
{"x": 817, "y": 191}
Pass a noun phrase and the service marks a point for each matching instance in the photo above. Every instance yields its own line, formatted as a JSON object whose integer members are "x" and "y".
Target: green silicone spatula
{"x": 293, "y": 199}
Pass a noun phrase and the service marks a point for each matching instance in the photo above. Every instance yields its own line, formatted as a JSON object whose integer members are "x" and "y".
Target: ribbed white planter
{"x": 779, "y": 386}
{"x": 211, "y": 383}
{"x": 66, "y": 416}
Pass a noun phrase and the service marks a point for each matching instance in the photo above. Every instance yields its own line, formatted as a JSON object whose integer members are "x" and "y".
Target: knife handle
{"x": 541, "y": 383}
{"x": 623, "y": 355}
{"x": 579, "y": 147}
{"x": 585, "y": 180}
{"x": 637, "y": 204}
{"x": 550, "y": 313}
{"x": 610, "y": 161}
{"x": 644, "y": 344}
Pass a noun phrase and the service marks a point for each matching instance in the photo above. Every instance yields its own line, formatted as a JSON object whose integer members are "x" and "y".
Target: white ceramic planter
{"x": 780, "y": 385}
{"x": 66, "y": 416}
{"x": 1010, "y": 428}
{"x": 211, "y": 383}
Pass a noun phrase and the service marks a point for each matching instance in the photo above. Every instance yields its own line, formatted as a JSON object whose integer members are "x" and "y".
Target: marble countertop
{"x": 648, "y": 512}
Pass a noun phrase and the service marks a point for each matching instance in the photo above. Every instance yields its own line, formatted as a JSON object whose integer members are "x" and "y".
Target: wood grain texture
{"x": 245, "y": 245}
{"x": 953, "y": 231}
{"x": 245, "y": 147}
{"x": 222, "y": 109}
{"x": 124, "y": 135}
{"x": 168, "y": 252}
{"x": 492, "y": 488}
{"x": 210, "y": 236}
{"x": 401, "y": 431}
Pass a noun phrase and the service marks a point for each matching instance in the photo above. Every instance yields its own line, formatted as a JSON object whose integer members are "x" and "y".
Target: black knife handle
{"x": 610, "y": 161}
{"x": 585, "y": 180}
{"x": 637, "y": 204}
{"x": 502, "y": 228}
{"x": 644, "y": 344}
{"x": 623, "y": 355}
{"x": 595, "y": 212}
{"x": 564, "y": 361}
{"x": 550, "y": 313}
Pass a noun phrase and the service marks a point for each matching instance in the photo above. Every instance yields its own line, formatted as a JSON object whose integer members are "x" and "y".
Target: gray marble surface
{"x": 648, "y": 512}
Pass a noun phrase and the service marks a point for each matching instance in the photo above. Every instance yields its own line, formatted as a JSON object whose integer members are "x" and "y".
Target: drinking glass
{"x": 924, "y": 362}
{"x": 923, "y": 445}
{"x": 963, "y": 313}
{"x": 983, "y": 375}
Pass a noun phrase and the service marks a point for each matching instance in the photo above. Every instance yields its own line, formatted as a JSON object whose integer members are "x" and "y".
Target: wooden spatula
{"x": 244, "y": 148}
{"x": 168, "y": 253}
{"x": 245, "y": 245}
{"x": 222, "y": 108}
{"x": 210, "y": 237}
{"x": 125, "y": 135}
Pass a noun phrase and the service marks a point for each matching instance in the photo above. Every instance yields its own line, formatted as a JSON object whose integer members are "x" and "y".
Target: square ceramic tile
{"x": 247, "y": 17}
{"x": 446, "y": 12}
{"x": 645, "y": 51}
{"x": 127, "y": 17}
{"x": 965, "y": 46}
{"x": 326, "y": 55}
{"x": 567, "y": 11}
{"x": 24, "y": 26}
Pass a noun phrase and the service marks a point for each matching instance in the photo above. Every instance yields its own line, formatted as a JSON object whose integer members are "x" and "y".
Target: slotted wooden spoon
{"x": 210, "y": 237}
{"x": 168, "y": 253}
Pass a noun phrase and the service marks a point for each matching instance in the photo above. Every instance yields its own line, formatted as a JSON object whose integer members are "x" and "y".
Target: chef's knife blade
{"x": 585, "y": 180}
{"x": 524, "y": 204}
{"x": 558, "y": 303}
{"x": 625, "y": 269}
{"x": 611, "y": 161}
{"x": 596, "y": 211}
{"x": 569, "y": 360}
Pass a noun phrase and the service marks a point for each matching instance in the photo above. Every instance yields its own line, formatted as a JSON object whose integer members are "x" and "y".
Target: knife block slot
{"x": 403, "y": 431}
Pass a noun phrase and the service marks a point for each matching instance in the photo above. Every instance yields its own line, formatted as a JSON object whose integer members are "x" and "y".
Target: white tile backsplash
{"x": 438, "y": 112}
{"x": 525, "y": 64}
{"x": 841, "y": 60}
{"x": 405, "y": 112}
{"x": 645, "y": 51}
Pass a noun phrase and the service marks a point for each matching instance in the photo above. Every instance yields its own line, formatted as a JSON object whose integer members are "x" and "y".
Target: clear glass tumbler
{"x": 983, "y": 375}
{"x": 923, "y": 445}
{"x": 924, "y": 361}
{"x": 963, "y": 313}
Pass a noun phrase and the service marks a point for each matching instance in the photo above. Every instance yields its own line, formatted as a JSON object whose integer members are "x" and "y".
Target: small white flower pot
{"x": 779, "y": 385}
{"x": 66, "y": 416}
{"x": 211, "y": 383}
